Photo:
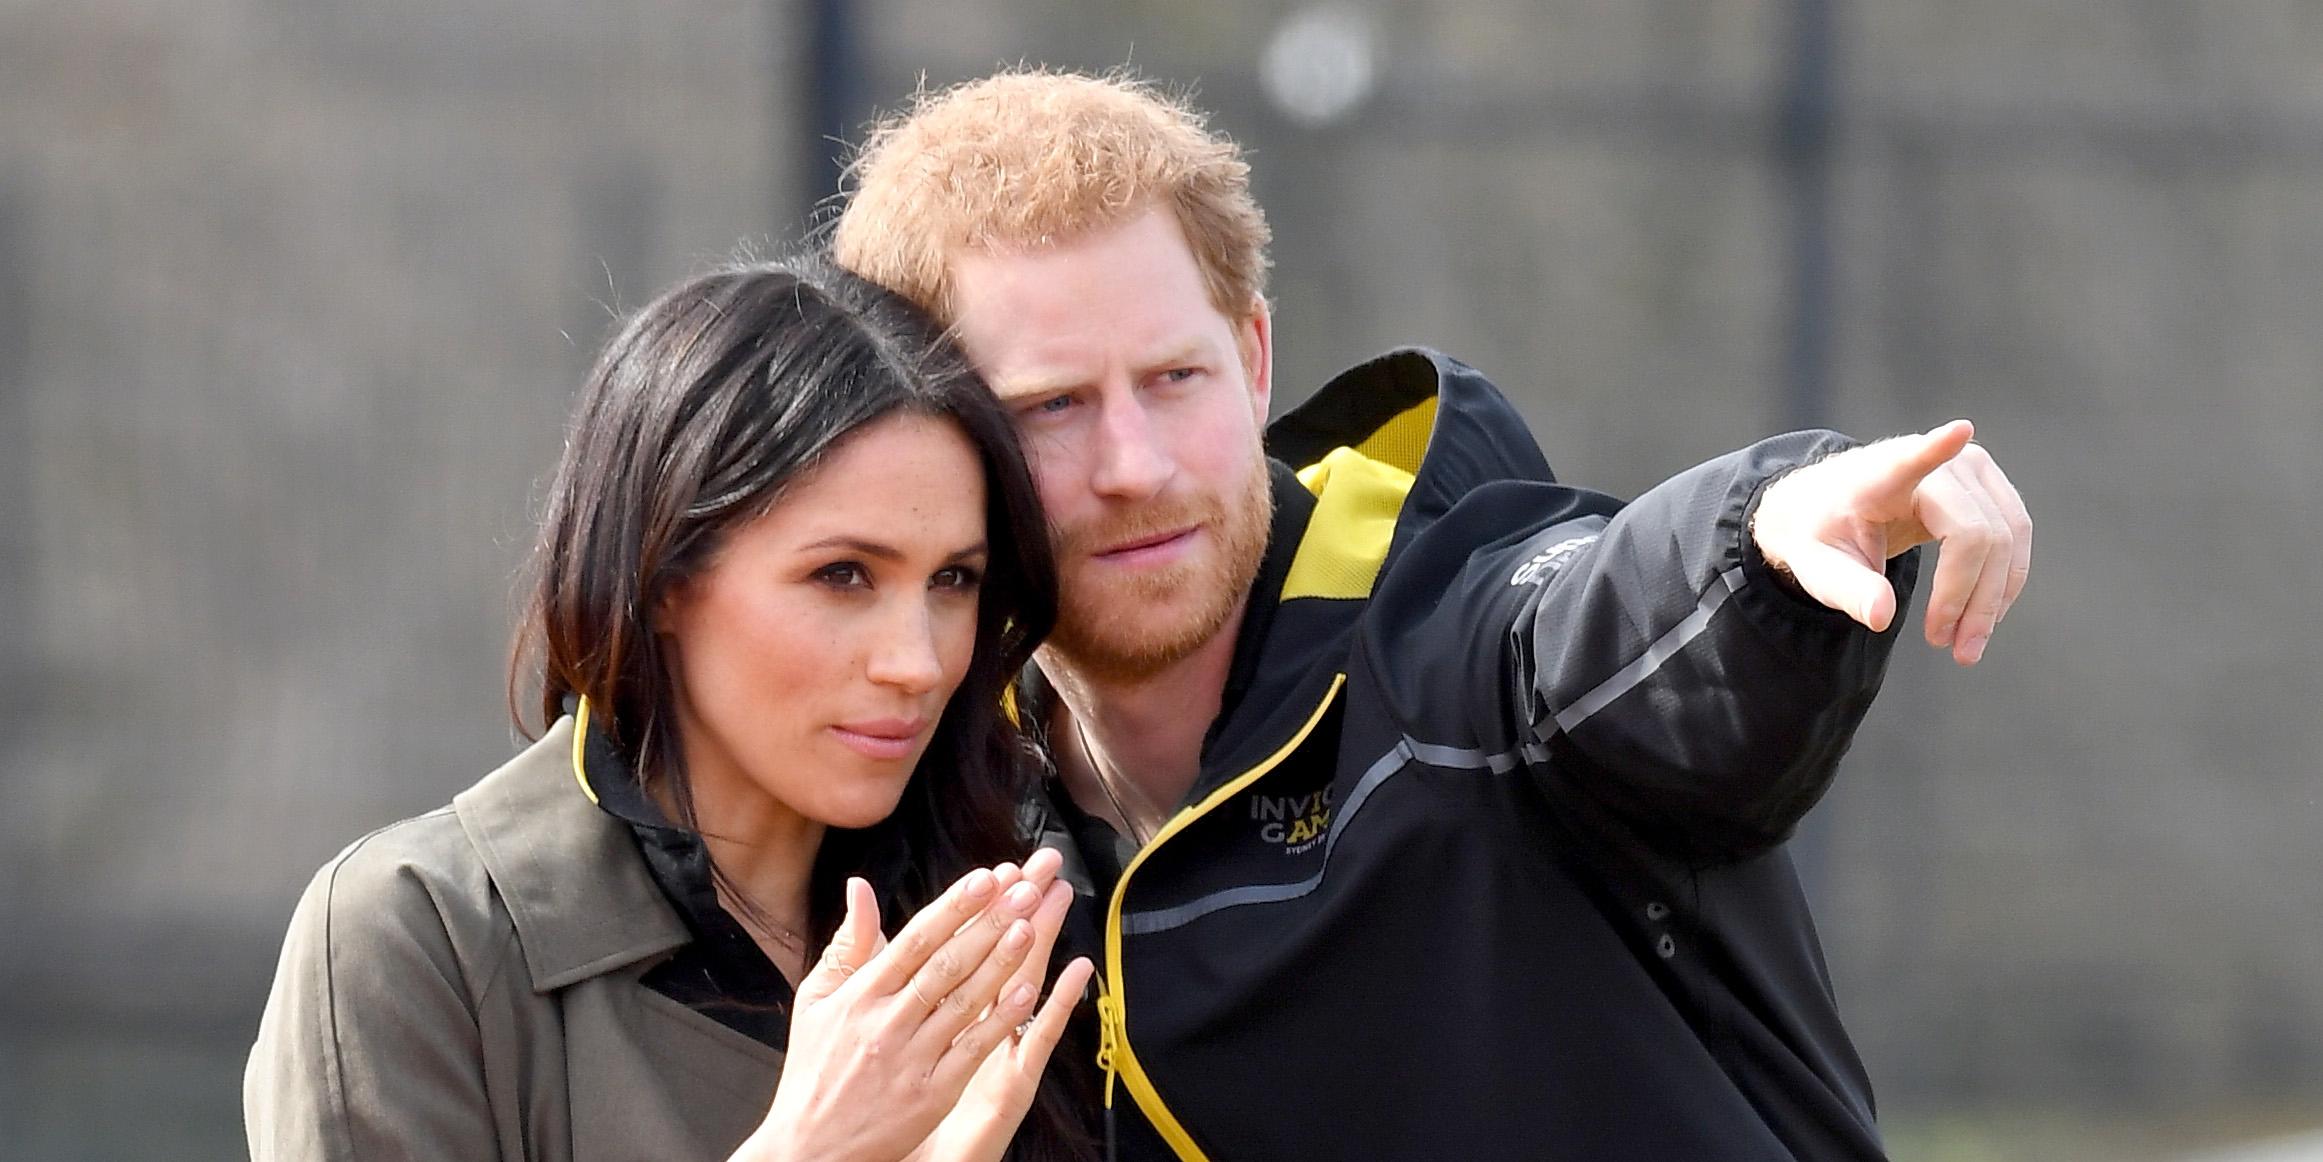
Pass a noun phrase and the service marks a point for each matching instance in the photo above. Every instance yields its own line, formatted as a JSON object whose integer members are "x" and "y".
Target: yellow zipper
{"x": 1114, "y": 1055}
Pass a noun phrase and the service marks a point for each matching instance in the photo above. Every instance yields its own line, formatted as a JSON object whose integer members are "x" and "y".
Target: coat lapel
{"x": 576, "y": 888}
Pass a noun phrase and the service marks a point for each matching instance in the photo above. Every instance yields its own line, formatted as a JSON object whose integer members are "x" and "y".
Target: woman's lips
{"x": 882, "y": 738}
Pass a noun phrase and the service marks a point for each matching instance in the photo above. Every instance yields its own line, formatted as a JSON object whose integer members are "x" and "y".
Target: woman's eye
{"x": 959, "y": 577}
{"x": 846, "y": 574}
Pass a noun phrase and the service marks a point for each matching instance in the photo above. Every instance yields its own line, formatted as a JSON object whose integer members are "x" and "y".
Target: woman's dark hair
{"x": 702, "y": 409}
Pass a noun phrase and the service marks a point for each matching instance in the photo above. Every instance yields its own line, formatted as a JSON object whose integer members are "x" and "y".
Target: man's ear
{"x": 1254, "y": 341}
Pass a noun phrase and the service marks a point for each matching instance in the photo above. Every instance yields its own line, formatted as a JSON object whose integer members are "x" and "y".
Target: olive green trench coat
{"x": 464, "y": 985}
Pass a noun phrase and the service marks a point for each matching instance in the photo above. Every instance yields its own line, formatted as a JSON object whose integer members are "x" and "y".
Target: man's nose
{"x": 1131, "y": 463}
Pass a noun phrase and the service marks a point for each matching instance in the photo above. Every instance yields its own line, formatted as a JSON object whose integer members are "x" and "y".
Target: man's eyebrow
{"x": 1039, "y": 383}
{"x": 1026, "y": 386}
{"x": 1192, "y": 351}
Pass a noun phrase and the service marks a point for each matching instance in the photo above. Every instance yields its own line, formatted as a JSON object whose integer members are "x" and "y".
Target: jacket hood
{"x": 1386, "y": 447}
{"x": 1420, "y": 411}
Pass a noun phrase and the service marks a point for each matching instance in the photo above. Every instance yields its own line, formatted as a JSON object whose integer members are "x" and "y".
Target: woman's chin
{"x": 857, "y": 814}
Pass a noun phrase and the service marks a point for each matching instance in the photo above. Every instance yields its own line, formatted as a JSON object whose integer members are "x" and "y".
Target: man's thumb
{"x": 1843, "y": 583}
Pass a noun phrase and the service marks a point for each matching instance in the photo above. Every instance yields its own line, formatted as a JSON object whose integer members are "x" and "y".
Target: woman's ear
{"x": 669, "y": 610}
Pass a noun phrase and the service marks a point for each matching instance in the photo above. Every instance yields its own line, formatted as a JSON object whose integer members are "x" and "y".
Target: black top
{"x": 723, "y": 974}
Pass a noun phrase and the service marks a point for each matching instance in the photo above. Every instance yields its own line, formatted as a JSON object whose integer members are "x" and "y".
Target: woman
{"x": 791, "y": 560}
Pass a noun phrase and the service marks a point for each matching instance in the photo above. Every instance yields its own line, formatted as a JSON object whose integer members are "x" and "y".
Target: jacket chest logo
{"x": 1545, "y": 563}
{"x": 1295, "y": 823}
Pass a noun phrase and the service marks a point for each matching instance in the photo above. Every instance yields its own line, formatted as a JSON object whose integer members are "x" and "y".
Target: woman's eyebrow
{"x": 887, "y": 552}
{"x": 853, "y": 544}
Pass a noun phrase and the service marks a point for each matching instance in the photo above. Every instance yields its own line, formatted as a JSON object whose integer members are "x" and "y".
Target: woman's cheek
{"x": 959, "y": 639}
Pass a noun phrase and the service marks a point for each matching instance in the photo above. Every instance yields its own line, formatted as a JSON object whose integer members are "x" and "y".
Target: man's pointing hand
{"x": 1834, "y": 524}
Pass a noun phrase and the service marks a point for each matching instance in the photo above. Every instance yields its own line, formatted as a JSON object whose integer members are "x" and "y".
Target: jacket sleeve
{"x": 1665, "y": 687}
{"x": 368, "y": 1048}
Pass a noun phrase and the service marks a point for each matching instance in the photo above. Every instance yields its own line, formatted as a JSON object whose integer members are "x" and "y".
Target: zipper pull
{"x": 1108, "y": 1039}
{"x": 1108, "y": 1045}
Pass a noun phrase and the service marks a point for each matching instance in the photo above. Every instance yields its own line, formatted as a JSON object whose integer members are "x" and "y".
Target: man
{"x": 1431, "y": 809}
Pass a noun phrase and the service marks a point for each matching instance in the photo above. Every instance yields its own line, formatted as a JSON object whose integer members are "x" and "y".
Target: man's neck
{"x": 1133, "y": 746}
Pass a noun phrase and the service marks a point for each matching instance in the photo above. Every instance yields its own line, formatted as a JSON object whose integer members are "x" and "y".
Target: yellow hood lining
{"x": 1359, "y": 493}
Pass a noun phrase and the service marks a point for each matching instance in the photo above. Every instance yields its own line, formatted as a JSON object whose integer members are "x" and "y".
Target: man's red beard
{"x": 1121, "y": 625}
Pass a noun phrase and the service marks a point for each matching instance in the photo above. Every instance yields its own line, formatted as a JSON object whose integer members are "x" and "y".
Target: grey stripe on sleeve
{"x": 1662, "y": 650}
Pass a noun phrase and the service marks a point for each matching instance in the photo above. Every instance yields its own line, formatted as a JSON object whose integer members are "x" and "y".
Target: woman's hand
{"x": 885, "y": 1036}
{"x": 981, "y": 1125}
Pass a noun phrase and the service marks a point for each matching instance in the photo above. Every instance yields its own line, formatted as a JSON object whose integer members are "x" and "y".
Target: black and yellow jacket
{"x": 1485, "y": 860}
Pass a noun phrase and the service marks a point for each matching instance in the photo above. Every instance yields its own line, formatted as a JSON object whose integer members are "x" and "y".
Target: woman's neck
{"x": 764, "y": 854}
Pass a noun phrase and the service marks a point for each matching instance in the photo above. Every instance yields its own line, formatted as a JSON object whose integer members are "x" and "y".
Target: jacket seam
{"x": 343, "y": 1117}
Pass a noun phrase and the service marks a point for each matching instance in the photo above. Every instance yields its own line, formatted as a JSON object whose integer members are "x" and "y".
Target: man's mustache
{"x": 1148, "y": 520}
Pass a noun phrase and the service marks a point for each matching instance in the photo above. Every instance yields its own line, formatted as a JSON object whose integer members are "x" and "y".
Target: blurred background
{"x": 294, "y": 294}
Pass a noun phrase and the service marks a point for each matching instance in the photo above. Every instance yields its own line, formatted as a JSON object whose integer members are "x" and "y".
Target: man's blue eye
{"x": 1053, "y": 404}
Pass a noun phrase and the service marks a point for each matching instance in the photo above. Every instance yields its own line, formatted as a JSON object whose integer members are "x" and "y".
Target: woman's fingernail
{"x": 1022, "y": 998}
{"x": 1019, "y": 934}
{"x": 1022, "y": 897}
{"x": 979, "y": 884}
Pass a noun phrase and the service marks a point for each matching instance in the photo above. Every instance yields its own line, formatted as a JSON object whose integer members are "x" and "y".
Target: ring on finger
{"x": 914, "y": 985}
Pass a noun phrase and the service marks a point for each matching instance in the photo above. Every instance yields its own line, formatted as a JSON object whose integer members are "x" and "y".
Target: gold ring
{"x": 914, "y": 985}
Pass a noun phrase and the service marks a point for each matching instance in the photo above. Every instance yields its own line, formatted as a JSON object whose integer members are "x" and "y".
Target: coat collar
{"x": 576, "y": 888}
